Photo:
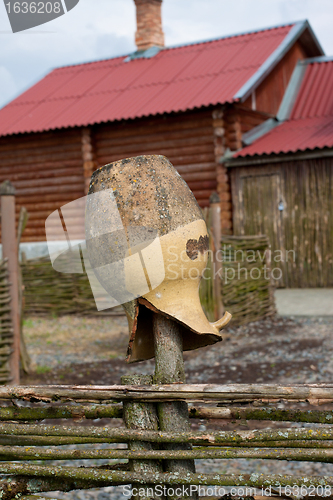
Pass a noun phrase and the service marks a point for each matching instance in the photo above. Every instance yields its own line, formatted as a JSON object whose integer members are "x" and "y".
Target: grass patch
{"x": 42, "y": 369}
{"x": 28, "y": 323}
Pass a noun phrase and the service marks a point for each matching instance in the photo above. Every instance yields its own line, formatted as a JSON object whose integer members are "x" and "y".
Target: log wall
{"x": 51, "y": 169}
{"x": 303, "y": 229}
{"x": 46, "y": 170}
{"x": 223, "y": 184}
{"x": 186, "y": 139}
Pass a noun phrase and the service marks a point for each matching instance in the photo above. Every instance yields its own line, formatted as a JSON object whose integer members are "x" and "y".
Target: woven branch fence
{"x": 6, "y": 329}
{"x": 47, "y": 291}
{"x": 247, "y": 290}
{"x": 245, "y": 276}
{"x": 145, "y": 449}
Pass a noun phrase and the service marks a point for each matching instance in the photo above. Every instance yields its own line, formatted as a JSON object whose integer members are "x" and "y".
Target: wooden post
{"x": 89, "y": 165}
{"x": 169, "y": 369}
{"x": 215, "y": 207}
{"x": 10, "y": 252}
{"x": 141, "y": 416}
{"x": 220, "y": 129}
{"x": 24, "y": 355}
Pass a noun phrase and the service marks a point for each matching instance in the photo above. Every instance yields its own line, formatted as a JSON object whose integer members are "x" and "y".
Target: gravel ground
{"x": 279, "y": 350}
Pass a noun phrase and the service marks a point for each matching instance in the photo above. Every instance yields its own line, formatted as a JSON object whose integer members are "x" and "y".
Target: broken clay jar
{"x": 156, "y": 207}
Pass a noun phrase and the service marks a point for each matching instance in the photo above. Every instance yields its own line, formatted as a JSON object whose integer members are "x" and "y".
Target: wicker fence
{"x": 147, "y": 452}
{"x": 6, "y": 330}
{"x": 246, "y": 292}
{"x": 247, "y": 289}
{"x": 48, "y": 292}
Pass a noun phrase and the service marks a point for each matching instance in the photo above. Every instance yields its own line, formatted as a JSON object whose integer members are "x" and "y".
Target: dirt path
{"x": 92, "y": 351}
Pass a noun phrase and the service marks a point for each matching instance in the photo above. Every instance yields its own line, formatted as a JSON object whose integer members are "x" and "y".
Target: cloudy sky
{"x": 98, "y": 29}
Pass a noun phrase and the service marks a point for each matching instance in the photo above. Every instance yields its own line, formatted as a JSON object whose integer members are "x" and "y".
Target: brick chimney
{"x": 149, "y": 24}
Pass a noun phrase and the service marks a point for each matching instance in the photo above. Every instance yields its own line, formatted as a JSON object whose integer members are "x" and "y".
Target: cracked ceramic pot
{"x": 164, "y": 251}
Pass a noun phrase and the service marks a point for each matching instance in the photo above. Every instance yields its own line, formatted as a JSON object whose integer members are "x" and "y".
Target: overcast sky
{"x": 98, "y": 29}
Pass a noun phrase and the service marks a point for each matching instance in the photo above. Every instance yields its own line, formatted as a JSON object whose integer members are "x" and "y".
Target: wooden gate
{"x": 261, "y": 206}
{"x": 292, "y": 203}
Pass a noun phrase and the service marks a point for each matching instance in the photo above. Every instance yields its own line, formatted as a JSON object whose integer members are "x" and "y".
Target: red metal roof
{"x": 310, "y": 124}
{"x": 176, "y": 79}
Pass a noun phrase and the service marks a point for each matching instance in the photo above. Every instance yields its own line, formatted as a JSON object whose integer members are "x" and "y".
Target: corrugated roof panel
{"x": 292, "y": 136}
{"x": 315, "y": 97}
{"x": 45, "y": 87}
{"x": 95, "y": 106}
{"x": 325, "y": 104}
{"x": 177, "y": 96}
{"x": 255, "y": 51}
{"x": 123, "y": 76}
{"x": 166, "y": 68}
{"x": 213, "y": 62}
{"x": 11, "y": 114}
{"x": 43, "y": 113}
{"x": 82, "y": 109}
{"x": 312, "y": 103}
{"x": 82, "y": 82}
{"x": 302, "y": 105}
{"x": 126, "y": 104}
{"x": 134, "y": 101}
{"x": 222, "y": 87}
{"x": 175, "y": 79}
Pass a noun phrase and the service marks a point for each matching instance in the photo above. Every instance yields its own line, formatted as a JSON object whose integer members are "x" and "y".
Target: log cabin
{"x": 191, "y": 103}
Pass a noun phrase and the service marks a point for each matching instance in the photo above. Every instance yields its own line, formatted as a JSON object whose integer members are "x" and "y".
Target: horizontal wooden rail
{"x": 121, "y": 435}
{"x": 108, "y": 477}
{"x": 18, "y": 453}
{"x": 76, "y": 412}
{"x": 94, "y": 411}
{"x": 8, "y": 440}
{"x": 170, "y": 392}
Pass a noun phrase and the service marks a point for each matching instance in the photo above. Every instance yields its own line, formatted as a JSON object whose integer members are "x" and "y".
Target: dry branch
{"x": 221, "y": 438}
{"x": 108, "y": 478}
{"x": 201, "y": 412}
{"x": 142, "y": 456}
{"x": 249, "y": 392}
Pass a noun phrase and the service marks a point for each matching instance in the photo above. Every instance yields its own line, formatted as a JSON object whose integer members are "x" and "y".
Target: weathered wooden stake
{"x": 169, "y": 368}
{"x": 141, "y": 416}
{"x": 9, "y": 251}
{"x": 24, "y": 355}
{"x": 215, "y": 207}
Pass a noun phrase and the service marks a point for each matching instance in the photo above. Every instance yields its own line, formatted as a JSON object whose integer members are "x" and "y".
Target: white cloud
{"x": 101, "y": 29}
{"x": 7, "y": 84}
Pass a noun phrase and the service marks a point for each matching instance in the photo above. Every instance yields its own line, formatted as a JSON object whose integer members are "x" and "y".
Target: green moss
{"x": 42, "y": 369}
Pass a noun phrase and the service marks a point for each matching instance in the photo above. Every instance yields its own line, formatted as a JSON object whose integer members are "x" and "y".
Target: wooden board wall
{"x": 46, "y": 170}
{"x": 306, "y": 230}
{"x": 268, "y": 95}
{"x": 186, "y": 139}
{"x": 237, "y": 120}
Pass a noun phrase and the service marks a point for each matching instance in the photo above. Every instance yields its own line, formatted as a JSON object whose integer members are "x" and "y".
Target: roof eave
{"x": 278, "y": 158}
